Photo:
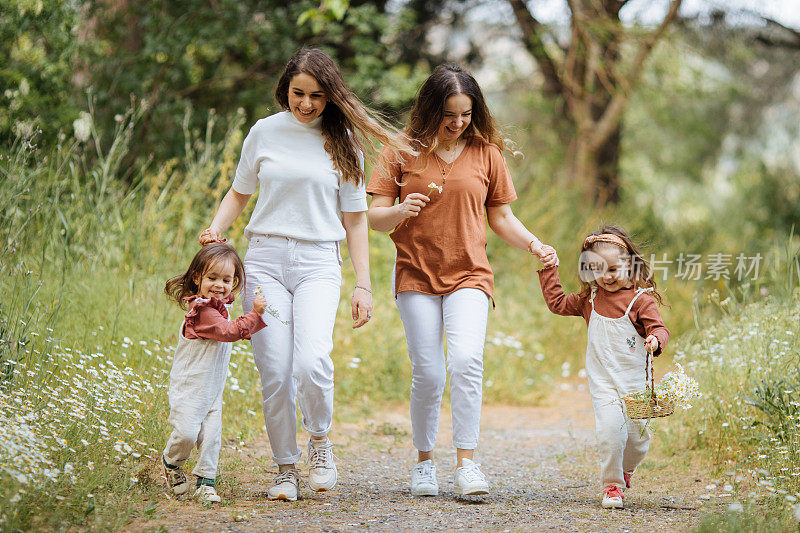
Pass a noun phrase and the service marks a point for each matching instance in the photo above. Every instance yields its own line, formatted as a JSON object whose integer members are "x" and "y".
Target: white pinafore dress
{"x": 615, "y": 365}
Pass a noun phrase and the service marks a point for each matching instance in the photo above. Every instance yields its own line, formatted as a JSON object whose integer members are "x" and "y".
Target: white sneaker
{"x": 612, "y": 498}
{"x": 423, "y": 479}
{"x": 176, "y": 478}
{"x": 284, "y": 486}
{"x": 468, "y": 479}
{"x": 207, "y": 493}
{"x": 322, "y": 473}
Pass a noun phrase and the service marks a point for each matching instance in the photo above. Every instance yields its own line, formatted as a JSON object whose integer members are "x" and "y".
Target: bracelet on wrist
{"x": 362, "y": 288}
{"x": 530, "y": 245}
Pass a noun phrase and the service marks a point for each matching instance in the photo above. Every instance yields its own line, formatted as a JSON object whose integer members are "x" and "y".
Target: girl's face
{"x": 306, "y": 98}
{"x": 616, "y": 275}
{"x": 456, "y": 119}
{"x": 217, "y": 280}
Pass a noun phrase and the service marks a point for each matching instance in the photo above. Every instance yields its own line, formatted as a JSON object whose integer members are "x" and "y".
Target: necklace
{"x": 448, "y": 165}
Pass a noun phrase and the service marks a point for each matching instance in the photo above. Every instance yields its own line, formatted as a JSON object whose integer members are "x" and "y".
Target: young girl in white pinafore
{"x": 200, "y": 364}
{"x": 619, "y": 302}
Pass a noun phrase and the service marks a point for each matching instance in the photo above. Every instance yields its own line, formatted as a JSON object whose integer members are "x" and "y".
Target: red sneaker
{"x": 627, "y": 479}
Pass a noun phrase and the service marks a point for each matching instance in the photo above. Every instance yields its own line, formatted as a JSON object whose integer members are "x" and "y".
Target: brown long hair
{"x": 184, "y": 285}
{"x": 347, "y": 124}
{"x": 428, "y": 111}
{"x": 639, "y": 267}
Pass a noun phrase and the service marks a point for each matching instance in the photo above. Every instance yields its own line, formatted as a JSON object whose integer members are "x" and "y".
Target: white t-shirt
{"x": 300, "y": 194}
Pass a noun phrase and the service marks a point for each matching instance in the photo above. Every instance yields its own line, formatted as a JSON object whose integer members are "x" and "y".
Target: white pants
{"x": 461, "y": 316}
{"x": 301, "y": 281}
{"x": 622, "y": 444}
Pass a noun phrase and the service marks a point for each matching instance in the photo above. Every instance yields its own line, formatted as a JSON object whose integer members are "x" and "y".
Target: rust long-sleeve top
{"x": 644, "y": 314}
{"x": 207, "y": 318}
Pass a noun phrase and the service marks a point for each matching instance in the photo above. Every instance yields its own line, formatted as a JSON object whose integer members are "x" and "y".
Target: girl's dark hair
{"x": 184, "y": 285}
{"x": 639, "y": 267}
{"x": 428, "y": 111}
{"x": 347, "y": 124}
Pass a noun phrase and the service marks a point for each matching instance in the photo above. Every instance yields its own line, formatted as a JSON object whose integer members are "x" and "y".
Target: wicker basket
{"x": 649, "y": 406}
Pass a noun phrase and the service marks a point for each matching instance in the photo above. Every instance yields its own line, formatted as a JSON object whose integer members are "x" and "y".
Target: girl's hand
{"x": 546, "y": 254}
{"x": 413, "y": 204}
{"x": 361, "y": 306}
{"x": 260, "y": 304}
{"x": 208, "y": 236}
{"x": 651, "y": 343}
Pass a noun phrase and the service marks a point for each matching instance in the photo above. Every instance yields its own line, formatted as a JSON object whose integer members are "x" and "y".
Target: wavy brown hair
{"x": 347, "y": 124}
{"x": 183, "y": 285}
{"x": 639, "y": 267}
{"x": 428, "y": 111}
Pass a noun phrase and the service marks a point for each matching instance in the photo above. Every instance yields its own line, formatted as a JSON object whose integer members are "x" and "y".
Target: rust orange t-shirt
{"x": 444, "y": 248}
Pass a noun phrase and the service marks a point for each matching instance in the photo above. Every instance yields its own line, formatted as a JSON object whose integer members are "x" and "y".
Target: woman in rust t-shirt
{"x": 443, "y": 282}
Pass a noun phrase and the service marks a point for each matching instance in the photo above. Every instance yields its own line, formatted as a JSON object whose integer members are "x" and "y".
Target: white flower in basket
{"x": 675, "y": 389}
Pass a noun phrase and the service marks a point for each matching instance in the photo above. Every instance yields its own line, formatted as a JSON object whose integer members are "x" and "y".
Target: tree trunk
{"x": 582, "y": 164}
{"x": 607, "y": 179}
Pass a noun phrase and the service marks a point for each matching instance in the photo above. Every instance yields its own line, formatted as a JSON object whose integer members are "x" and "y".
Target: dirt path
{"x": 541, "y": 462}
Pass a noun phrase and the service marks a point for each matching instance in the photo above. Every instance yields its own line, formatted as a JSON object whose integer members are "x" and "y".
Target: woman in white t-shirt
{"x": 306, "y": 165}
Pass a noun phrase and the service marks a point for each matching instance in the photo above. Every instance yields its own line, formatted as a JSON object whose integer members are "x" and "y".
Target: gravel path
{"x": 541, "y": 462}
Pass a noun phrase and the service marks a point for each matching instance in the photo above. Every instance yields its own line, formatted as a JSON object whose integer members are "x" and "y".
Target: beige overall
{"x": 615, "y": 365}
{"x": 196, "y": 382}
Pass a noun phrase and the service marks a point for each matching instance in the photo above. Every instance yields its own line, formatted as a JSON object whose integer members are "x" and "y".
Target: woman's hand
{"x": 651, "y": 343}
{"x": 413, "y": 204}
{"x": 361, "y": 306}
{"x": 546, "y": 254}
{"x": 259, "y": 304}
{"x": 208, "y": 235}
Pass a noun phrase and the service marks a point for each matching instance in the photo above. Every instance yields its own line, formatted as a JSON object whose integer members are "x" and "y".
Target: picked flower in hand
{"x": 433, "y": 187}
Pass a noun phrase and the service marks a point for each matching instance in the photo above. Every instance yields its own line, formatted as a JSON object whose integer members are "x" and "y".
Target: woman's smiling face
{"x": 306, "y": 98}
{"x": 456, "y": 119}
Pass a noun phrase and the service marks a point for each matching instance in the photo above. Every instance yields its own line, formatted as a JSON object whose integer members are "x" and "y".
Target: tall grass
{"x": 748, "y": 422}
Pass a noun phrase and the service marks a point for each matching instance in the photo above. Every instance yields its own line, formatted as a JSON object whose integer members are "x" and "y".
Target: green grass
{"x": 747, "y": 422}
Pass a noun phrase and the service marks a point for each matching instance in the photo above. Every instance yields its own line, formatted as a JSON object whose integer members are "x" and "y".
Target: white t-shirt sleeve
{"x": 246, "y": 179}
{"x": 353, "y": 198}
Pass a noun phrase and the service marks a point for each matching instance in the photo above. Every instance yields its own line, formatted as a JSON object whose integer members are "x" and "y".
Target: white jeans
{"x": 461, "y": 316}
{"x": 301, "y": 281}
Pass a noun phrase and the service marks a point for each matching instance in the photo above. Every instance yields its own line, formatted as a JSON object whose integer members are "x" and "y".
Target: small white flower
{"x": 83, "y": 126}
{"x": 736, "y": 507}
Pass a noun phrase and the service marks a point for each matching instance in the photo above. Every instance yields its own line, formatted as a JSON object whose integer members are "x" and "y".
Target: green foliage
{"x": 225, "y": 56}
{"x": 777, "y": 398}
{"x": 37, "y": 67}
{"x": 770, "y": 517}
{"x": 222, "y": 55}
{"x": 746, "y": 423}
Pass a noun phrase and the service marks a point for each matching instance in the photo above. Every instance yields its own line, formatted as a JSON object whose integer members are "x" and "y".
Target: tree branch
{"x": 531, "y": 33}
{"x": 613, "y": 113}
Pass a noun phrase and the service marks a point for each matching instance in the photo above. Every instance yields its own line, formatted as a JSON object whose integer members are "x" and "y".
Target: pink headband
{"x": 604, "y": 237}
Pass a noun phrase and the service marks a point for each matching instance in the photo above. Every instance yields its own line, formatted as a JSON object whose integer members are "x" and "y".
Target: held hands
{"x": 651, "y": 343}
{"x": 413, "y": 204}
{"x": 361, "y": 306}
{"x": 259, "y": 304}
{"x": 208, "y": 236}
{"x": 546, "y": 254}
